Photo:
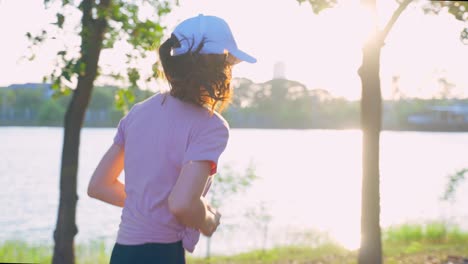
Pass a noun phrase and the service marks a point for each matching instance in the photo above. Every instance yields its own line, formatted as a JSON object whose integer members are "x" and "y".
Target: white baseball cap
{"x": 215, "y": 33}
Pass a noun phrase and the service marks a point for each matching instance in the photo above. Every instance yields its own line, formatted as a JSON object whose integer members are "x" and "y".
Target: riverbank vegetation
{"x": 409, "y": 243}
{"x": 273, "y": 104}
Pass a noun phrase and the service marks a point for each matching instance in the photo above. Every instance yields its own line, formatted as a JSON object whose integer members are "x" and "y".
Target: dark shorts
{"x": 151, "y": 253}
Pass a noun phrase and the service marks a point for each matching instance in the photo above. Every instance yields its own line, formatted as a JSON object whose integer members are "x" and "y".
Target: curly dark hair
{"x": 201, "y": 79}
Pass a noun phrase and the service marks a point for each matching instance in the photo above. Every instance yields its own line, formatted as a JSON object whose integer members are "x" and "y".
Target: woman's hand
{"x": 213, "y": 223}
{"x": 186, "y": 202}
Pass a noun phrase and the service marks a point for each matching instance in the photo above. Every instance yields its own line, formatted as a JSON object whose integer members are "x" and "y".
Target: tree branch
{"x": 104, "y": 4}
{"x": 393, "y": 19}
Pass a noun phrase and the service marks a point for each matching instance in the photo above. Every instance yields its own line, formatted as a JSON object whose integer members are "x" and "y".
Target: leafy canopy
{"x": 124, "y": 22}
{"x": 459, "y": 9}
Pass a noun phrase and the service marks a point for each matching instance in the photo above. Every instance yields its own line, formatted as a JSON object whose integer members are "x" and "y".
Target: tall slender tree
{"x": 103, "y": 23}
{"x": 371, "y": 114}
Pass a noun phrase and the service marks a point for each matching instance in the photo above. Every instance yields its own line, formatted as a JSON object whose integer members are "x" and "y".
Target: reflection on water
{"x": 309, "y": 180}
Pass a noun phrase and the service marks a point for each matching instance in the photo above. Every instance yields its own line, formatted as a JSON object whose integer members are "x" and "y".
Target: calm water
{"x": 309, "y": 182}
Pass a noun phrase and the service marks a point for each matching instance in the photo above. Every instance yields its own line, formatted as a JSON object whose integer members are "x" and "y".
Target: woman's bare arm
{"x": 186, "y": 201}
{"x": 104, "y": 184}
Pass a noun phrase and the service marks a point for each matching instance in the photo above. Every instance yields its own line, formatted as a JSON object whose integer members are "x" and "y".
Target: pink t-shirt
{"x": 159, "y": 136}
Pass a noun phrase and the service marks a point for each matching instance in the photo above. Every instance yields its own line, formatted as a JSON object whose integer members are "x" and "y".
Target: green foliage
{"x": 60, "y": 20}
{"x": 454, "y": 181}
{"x": 35, "y": 106}
{"x": 395, "y": 251}
{"x": 327, "y": 252}
{"x": 457, "y": 236}
{"x": 436, "y": 232}
{"x": 124, "y": 98}
{"x": 260, "y": 215}
{"x": 28, "y": 99}
{"x": 459, "y": 9}
{"x": 254, "y": 105}
{"x": 123, "y": 22}
{"x": 93, "y": 252}
{"x": 228, "y": 182}
{"x": 20, "y": 251}
{"x": 143, "y": 35}
{"x": 51, "y": 113}
{"x": 413, "y": 247}
{"x": 432, "y": 232}
{"x": 284, "y": 103}
{"x": 404, "y": 233}
{"x": 35, "y": 41}
{"x": 102, "y": 99}
{"x": 7, "y": 98}
{"x": 319, "y": 5}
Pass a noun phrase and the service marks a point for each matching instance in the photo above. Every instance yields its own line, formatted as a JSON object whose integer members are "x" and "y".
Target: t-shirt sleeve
{"x": 208, "y": 142}
{"x": 119, "y": 137}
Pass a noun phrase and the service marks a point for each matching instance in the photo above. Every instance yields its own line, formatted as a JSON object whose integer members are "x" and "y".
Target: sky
{"x": 322, "y": 51}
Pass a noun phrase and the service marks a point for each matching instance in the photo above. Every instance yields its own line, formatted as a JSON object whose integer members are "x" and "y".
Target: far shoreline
{"x": 393, "y": 129}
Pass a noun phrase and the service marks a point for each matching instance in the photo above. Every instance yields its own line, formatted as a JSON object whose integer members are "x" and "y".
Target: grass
{"x": 19, "y": 251}
{"x": 328, "y": 253}
{"x": 22, "y": 252}
{"x": 431, "y": 243}
{"x": 435, "y": 232}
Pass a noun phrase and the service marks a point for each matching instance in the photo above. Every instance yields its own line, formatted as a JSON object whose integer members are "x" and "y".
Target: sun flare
{"x": 348, "y": 239}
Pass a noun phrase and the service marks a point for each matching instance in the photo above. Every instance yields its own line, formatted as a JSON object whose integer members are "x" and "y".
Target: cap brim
{"x": 242, "y": 56}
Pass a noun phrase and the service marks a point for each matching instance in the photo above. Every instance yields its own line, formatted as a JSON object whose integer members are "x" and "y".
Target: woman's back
{"x": 159, "y": 136}
{"x": 169, "y": 146}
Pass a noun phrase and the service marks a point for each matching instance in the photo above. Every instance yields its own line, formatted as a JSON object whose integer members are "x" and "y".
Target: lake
{"x": 309, "y": 183}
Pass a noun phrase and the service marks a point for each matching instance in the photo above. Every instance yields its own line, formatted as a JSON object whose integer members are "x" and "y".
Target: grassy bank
{"x": 432, "y": 243}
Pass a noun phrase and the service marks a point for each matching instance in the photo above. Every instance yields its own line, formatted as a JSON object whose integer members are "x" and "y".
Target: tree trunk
{"x": 370, "y": 251}
{"x": 371, "y": 121}
{"x": 371, "y": 112}
{"x": 91, "y": 44}
{"x": 208, "y": 248}
{"x": 371, "y": 104}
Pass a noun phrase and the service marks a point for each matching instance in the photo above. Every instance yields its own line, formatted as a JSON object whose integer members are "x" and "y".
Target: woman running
{"x": 169, "y": 146}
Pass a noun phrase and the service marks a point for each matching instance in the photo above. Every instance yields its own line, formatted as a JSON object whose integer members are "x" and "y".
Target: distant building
{"x": 279, "y": 70}
{"x": 28, "y": 86}
{"x": 451, "y": 117}
{"x": 45, "y": 87}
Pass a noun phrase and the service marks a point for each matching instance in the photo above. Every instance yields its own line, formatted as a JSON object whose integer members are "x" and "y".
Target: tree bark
{"x": 371, "y": 114}
{"x": 92, "y": 34}
{"x": 371, "y": 121}
{"x": 371, "y": 111}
